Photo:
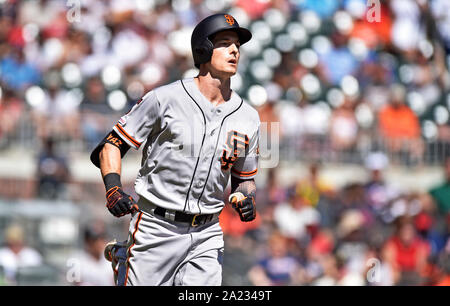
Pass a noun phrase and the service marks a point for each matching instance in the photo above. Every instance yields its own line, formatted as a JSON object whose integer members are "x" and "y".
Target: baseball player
{"x": 195, "y": 134}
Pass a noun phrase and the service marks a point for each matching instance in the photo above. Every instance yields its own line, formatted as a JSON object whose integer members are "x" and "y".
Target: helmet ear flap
{"x": 204, "y": 52}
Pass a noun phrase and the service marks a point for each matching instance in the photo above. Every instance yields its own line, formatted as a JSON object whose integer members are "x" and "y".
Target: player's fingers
{"x": 243, "y": 211}
{"x": 247, "y": 213}
{"x": 247, "y": 207}
{"x": 124, "y": 206}
{"x": 115, "y": 211}
{"x": 248, "y": 216}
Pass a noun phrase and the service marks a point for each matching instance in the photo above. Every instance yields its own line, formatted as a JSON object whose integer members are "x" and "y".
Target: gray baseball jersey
{"x": 190, "y": 146}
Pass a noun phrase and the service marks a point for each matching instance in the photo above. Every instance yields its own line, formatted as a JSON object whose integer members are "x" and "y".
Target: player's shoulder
{"x": 163, "y": 93}
{"x": 168, "y": 93}
{"x": 168, "y": 89}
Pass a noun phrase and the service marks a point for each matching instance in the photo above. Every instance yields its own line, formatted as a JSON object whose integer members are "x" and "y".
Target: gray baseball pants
{"x": 161, "y": 252}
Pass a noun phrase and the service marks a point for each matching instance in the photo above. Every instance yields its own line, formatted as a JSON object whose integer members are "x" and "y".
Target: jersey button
{"x": 199, "y": 183}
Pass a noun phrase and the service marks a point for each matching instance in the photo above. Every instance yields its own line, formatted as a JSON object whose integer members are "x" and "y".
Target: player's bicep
{"x": 135, "y": 126}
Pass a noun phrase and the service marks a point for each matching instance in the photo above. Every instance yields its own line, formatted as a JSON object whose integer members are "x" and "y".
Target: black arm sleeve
{"x": 113, "y": 139}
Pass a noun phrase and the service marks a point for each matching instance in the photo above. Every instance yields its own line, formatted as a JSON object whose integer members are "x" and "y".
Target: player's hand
{"x": 245, "y": 207}
{"x": 119, "y": 203}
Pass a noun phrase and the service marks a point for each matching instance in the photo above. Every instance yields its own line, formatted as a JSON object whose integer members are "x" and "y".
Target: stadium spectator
{"x": 375, "y": 76}
{"x": 94, "y": 269}
{"x": 338, "y": 62}
{"x": 57, "y": 113}
{"x": 406, "y": 253}
{"x": 295, "y": 217}
{"x": 269, "y": 117}
{"x": 399, "y": 126}
{"x": 11, "y": 110}
{"x": 16, "y": 254}
{"x": 379, "y": 192}
{"x": 324, "y": 9}
{"x": 93, "y": 109}
{"x": 330, "y": 271}
{"x": 344, "y": 127}
{"x": 440, "y": 9}
{"x": 17, "y": 73}
{"x": 441, "y": 193}
{"x": 397, "y": 120}
{"x": 445, "y": 279}
{"x": 313, "y": 185}
{"x": 352, "y": 248}
{"x": 254, "y": 8}
{"x": 278, "y": 267}
{"x": 374, "y": 34}
{"x": 52, "y": 174}
{"x": 426, "y": 226}
{"x": 269, "y": 196}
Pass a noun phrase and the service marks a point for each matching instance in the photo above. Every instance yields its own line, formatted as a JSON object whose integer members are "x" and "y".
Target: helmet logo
{"x": 229, "y": 19}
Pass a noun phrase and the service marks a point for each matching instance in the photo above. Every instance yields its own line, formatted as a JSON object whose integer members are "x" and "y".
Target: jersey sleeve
{"x": 135, "y": 126}
{"x": 246, "y": 167}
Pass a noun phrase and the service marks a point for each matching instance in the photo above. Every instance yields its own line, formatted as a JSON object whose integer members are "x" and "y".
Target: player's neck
{"x": 215, "y": 89}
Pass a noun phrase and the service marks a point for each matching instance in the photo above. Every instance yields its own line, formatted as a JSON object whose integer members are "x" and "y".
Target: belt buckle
{"x": 193, "y": 224}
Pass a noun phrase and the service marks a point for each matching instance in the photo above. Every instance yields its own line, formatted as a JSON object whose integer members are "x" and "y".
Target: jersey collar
{"x": 208, "y": 108}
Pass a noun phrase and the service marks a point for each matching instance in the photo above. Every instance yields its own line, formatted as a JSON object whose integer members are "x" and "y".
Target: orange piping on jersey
{"x": 125, "y": 134}
{"x": 243, "y": 173}
{"x": 132, "y": 245}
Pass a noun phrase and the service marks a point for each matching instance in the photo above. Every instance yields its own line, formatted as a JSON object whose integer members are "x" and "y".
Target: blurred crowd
{"x": 341, "y": 78}
{"x": 364, "y": 233}
{"x": 339, "y": 75}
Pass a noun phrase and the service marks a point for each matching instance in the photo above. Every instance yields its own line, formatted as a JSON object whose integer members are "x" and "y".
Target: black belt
{"x": 193, "y": 220}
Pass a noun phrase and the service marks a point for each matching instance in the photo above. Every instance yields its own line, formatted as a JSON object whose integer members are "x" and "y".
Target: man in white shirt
{"x": 16, "y": 254}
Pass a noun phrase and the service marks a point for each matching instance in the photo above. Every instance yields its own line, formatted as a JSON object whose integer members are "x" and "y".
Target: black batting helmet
{"x": 202, "y": 47}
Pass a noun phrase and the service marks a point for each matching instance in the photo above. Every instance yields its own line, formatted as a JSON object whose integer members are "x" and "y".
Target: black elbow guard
{"x": 113, "y": 139}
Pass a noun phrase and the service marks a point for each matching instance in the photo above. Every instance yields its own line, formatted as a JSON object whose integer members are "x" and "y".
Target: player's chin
{"x": 230, "y": 69}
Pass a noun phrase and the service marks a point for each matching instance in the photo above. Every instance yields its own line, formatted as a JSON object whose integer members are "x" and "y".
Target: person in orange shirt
{"x": 399, "y": 126}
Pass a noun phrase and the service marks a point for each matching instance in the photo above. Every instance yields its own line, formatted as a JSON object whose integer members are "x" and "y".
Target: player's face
{"x": 225, "y": 57}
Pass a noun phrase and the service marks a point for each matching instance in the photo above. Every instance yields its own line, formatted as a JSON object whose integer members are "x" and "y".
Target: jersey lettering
{"x": 236, "y": 143}
{"x": 114, "y": 140}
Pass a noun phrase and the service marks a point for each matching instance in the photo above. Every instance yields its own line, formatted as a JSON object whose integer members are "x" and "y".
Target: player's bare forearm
{"x": 118, "y": 202}
{"x": 110, "y": 160}
{"x": 242, "y": 198}
{"x": 246, "y": 187}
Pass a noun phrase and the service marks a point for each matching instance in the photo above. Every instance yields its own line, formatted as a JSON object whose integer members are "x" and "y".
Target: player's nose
{"x": 234, "y": 49}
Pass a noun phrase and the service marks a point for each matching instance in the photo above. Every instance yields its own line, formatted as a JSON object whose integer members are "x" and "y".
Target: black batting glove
{"x": 119, "y": 203}
{"x": 246, "y": 208}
